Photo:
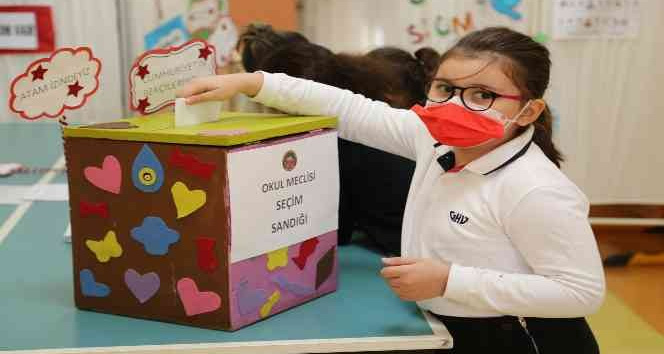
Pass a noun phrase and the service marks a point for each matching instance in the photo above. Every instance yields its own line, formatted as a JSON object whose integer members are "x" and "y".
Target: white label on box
{"x": 282, "y": 194}
{"x": 18, "y": 30}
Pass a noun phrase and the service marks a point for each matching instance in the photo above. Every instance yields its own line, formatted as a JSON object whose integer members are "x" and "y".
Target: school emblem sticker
{"x": 289, "y": 161}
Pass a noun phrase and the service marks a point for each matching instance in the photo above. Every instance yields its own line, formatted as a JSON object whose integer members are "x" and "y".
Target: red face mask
{"x": 453, "y": 125}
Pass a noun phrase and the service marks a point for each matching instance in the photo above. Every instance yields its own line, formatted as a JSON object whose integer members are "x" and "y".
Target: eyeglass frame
{"x": 494, "y": 96}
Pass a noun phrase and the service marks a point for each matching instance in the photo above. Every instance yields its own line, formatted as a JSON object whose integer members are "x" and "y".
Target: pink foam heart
{"x": 108, "y": 177}
{"x": 196, "y": 302}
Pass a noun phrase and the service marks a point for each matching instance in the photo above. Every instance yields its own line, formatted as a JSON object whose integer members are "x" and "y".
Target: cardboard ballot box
{"x": 216, "y": 225}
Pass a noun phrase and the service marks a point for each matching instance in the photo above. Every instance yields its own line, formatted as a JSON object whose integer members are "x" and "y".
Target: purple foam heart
{"x": 142, "y": 286}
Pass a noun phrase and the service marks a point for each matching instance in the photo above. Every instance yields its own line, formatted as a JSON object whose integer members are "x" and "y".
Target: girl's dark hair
{"x": 527, "y": 64}
{"x": 258, "y": 40}
{"x": 314, "y": 62}
{"x": 386, "y": 74}
{"x": 413, "y": 71}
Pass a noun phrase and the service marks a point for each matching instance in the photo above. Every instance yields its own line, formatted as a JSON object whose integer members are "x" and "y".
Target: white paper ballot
{"x": 48, "y": 192}
{"x": 195, "y": 114}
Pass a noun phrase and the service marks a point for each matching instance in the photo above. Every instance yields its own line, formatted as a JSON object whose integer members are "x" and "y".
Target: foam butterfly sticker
{"x": 191, "y": 164}
{"x": 87, "y": 209}
{"x": 147, "y": 174}
{"x": 106, "y": 248}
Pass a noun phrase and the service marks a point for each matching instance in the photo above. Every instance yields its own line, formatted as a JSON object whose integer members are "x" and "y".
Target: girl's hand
{"x": 416, "y": 279}
{"x": 220, "y": 87}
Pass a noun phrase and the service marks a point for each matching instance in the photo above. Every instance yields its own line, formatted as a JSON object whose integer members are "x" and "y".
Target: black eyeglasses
{"x": 474, "y": 98}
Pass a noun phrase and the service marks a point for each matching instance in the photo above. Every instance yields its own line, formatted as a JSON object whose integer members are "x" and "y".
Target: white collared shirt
{"x": 518, "y": 237}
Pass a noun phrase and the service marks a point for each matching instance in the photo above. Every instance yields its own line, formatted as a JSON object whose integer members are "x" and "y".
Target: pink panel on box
{"x": 295, "y": 285}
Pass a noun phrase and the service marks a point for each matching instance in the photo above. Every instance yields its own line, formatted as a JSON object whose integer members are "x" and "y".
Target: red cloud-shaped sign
{"x": 50, "y": 85}
{"x": 158, "y": 73}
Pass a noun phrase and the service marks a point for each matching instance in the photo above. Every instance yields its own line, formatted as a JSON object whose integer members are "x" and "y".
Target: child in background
{"x": 374, "y": 184}
{"x": 496, "y": 241}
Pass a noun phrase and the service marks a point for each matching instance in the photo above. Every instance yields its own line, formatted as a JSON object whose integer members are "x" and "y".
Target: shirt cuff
{"x": 268, "y": 91}
{"x": 459, "y": 283}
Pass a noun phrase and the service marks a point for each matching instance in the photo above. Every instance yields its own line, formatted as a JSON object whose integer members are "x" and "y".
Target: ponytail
{"x": 543, "y": 136}
{"x": 429, "y": 60}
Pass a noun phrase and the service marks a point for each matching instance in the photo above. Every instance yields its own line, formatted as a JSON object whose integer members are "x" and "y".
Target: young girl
{"x": 496, "y": 240}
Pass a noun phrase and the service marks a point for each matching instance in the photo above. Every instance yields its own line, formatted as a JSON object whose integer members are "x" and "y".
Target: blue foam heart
{"x": 90, "y": 287}
{"x": 506, "y": 7}
{"x": 155, "y": 236}
{"x": 147, "y": 174}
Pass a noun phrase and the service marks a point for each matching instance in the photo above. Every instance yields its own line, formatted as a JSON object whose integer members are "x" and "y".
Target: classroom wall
{"x": 281, "y": 14}
{"x": 605, "y": 92}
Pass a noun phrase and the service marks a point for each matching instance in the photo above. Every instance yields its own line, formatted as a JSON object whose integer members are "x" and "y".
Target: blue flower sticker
{"x": 155, "y": 236}
{"x": 147, "y": 174}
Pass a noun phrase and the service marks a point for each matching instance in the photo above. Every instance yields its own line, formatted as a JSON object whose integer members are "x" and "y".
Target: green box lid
{"x": 232, "y": 128}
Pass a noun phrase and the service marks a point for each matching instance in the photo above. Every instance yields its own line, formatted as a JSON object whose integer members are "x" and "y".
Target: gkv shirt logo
{"x": 458, "y": 217}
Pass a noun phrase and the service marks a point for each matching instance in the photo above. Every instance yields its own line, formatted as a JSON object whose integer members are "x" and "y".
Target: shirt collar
{"x": 502, "y": 155}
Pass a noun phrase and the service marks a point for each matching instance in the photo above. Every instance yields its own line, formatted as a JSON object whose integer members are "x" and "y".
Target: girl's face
{"x": 486, "y": 73}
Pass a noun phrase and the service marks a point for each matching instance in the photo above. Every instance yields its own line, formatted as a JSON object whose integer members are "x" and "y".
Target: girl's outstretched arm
{"x": 361, "y": 120}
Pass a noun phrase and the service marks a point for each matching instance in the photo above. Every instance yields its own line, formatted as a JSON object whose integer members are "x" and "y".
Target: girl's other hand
{"x": 416, "y": 279}
{"x": 220, "y": 87}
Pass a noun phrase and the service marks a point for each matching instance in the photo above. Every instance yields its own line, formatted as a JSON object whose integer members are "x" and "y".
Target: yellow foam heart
{"x": 267, "y": 307}
{"x": 106, "y": 248}
{"x": 187, "y": 201}
{"x": 277, "y": 259}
